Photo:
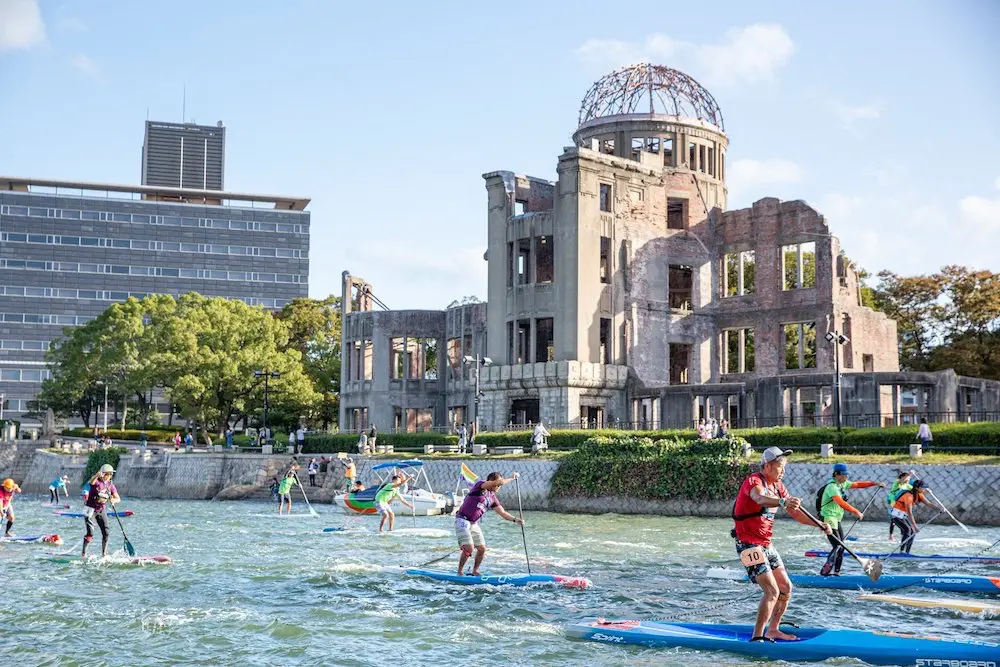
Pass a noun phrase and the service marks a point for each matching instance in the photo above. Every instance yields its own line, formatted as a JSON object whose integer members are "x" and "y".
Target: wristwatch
{"x": 781, "y": 502}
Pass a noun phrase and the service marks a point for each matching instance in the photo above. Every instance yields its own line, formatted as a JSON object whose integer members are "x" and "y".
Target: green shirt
{"x": 897, "y": 489}
{"x": 285, "y": 485}
{"x": 386, "y": 493}
{"x": 831, "y": 512}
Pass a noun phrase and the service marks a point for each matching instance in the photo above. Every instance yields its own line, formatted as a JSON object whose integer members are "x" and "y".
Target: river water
{"x": 249, "y": 589}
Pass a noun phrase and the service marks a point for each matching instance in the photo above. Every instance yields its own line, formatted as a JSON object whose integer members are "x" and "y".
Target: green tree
{"x": 315, "y": 331}
{"x": 914, "y": 302}
{"x": 970, "y": 320}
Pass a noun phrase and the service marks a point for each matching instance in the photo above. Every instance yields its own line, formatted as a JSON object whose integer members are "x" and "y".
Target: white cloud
{"x": 750, "y": 54}
{"x": 838, "y": 208}
{"x": 849, "y": 115}
{"x": 981, "y": 214}
{"x": 401, "y": 270}
{"x": 745, "y": 174}
{"x": 87, "y": 66}
{"x": 21, "y": 25}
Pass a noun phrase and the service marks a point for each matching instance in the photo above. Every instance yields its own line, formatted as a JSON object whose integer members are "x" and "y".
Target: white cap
{"x": 772, "y": 453}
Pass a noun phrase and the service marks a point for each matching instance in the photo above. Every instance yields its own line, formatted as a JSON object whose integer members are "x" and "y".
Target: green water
{"x": 254, "y": 590}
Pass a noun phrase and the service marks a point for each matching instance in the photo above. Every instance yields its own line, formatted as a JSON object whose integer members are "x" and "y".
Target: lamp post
{"x": 266, "y": 375}
{"x": 105, "y": 383}
{"x": 837, "y": 339}
{"x": 479, "y": 361}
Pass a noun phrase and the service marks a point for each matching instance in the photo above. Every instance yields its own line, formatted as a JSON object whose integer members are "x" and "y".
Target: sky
{"x": 883, "y": 116}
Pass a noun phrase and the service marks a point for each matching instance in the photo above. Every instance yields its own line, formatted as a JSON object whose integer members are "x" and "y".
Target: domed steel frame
{"x": 666, "y": 90}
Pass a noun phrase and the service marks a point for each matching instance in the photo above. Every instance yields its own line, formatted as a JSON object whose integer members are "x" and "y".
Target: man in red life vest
{"x": 757, "y": 501}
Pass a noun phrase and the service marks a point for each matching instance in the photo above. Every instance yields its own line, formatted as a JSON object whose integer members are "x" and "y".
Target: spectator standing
{"x": 312, "y": 470}
{"x": 924, "y": 435}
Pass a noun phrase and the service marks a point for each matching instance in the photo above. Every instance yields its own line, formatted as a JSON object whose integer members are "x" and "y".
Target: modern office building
{"x": 184, "y": 155}
{"x": 70, "y": 249}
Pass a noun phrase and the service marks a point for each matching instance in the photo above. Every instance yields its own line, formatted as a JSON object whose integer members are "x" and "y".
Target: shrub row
{"x": 640, "y": 467}
{"x": 573, "y": 438}
{"x": 348, "y": 442}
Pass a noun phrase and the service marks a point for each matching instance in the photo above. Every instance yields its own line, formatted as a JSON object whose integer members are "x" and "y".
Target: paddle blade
{"x": 873, "y": 568}
{"x": 129, "y": 548}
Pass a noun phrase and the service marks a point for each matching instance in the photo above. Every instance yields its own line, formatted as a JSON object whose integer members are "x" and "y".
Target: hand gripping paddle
{"x": 128, "y": 545}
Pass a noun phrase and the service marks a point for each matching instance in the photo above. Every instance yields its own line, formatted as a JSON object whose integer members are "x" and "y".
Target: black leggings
{"x": 101, "y": 519}
{"x": 836, "y": 556}
{"x": 906, "y": 534}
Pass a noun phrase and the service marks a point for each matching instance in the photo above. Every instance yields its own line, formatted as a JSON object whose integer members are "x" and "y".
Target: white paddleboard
{"x": 970, "y": 605}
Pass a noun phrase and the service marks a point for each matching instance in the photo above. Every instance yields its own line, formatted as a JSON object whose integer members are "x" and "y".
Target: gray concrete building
{"x": 184, "y": 155}
{"x": 624, "y": 292}
{"x": 70, "y": 249}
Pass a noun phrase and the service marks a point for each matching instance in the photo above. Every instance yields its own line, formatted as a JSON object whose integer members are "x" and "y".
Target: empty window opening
{"x": 799, "y": 261}
{"x": 605, "y": 259}
{"x": 868, "y": 363}
{"x": 848, "y": 355}
{"x": 511, "y": 343}
{"x": 605, "y": 197}
{"x": 510, "y": 264}
{"x": 419, "y": 420}
{"x": 524, "y": 411}
{"x": 455, "y": 358}
{"x": 544, "y": 261}
{"x": 711, "y": 161}
{"x": 676, "y": 213}
{"x": 398, "y": 358}
{"x": 679, "y": 282}
{"x": 739, "y": 276}
{"x": 692, "y": 155}
{"x": 605, "y": 340}
{"x": 523, "y": 341}
{"x": 524, "y": 261}
{"x": 680, "y": 361}
{"x": 520, "y": 207}
{"x": 623, "y": 343}
{"x": 668, "y": 151}
{"x": 638, "y": 144}
{"x": 702, "y": 162}
{"x": 800, "y": 345}
{"x": 722, "y": 166}
{"x": 591, "y": 416}
{"x": 608, "y": 146}
{"x": 545, "y": 349}
{"x": 738, "y": 351}
{"x": 652, "y": 145}
{"x": 360, "y": 360}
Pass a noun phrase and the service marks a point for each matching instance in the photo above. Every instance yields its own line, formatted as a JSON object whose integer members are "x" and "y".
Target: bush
{"x": 573, "y": 438}
{"x": 99, "y": 457}
{"x": 641, "y": 467}
{"x": 348, "y": 442}
{"x": 956, "y": 437}
{"x": 154, "y": 435}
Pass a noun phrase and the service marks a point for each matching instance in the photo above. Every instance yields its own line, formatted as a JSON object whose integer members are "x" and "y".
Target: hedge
{"x": 348, "y": 442}
{"x": 573, "y": 438}
{"x": 640, "y": 467}
{"x": 99, "y": 457}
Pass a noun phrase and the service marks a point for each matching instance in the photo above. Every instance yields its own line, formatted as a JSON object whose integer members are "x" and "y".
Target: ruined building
{"x": 626, "y": 293}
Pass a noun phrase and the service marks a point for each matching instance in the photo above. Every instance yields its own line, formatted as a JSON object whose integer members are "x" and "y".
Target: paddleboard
{"x": 813, "y": 644}
{"x": 497, "y": 579}
{"x": 285, "y": 516}
{"x": 955, "y": 584}
{"x": 64, "y": 506}
{"x": 79, "y": 515}
{"x": 48, "y": 539}
{"x": 970, "y": 605}
{"x": 901, "y": 556}
{"x": 114, "y": 560}
{"x": 435, "y": 533}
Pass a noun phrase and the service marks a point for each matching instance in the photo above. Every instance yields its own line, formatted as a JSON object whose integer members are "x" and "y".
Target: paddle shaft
{"x": 900, "y": 545}
{"x": 304, "y": 496}
{"x": 520, "y": 510}
{"x": 948, "y": 512}
{"x": 837, "y": 539}
{"x": 848, "y": 533}
{"x": 128, "y": 545}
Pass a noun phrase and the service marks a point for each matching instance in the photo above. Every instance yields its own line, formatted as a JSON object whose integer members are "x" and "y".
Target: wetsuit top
{"x": 58, "y": 484}
{"x": 100, "y": 493}
{"x": 756, "y": 528}
{"x": 6, "y": 496}
{"x": 387, "y": 493}
{"x": 896, "y": 489}
{"x": 833, "y": 504}
{"x": 906, "y": 500}
{"x": 477, "y": 503}
{"x": 285, "y": 485}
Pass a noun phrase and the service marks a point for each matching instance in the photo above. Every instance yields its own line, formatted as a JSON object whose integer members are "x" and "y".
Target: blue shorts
{"x": 773, "y": 560}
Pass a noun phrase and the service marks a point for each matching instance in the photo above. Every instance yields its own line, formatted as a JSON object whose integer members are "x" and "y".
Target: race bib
{"x": 753, "y": 556}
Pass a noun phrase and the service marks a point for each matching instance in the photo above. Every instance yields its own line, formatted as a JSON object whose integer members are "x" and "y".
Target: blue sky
{"x": 882, "y": 115}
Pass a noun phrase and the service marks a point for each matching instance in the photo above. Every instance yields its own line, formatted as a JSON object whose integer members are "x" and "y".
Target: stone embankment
{"x": 969, "y": 491}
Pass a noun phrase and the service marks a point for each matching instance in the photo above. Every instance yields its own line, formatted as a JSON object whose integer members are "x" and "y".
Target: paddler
{"x": 832, "y": 505}
{"x": 901, "y": 484}
{"x": 481, "y": 498}
{"x": 757, "y": 501}
{"x": 384, "y": 497}
{"x": 902, "y": 513}
{"x": 285, "y": 490}
{"x": 102, "y": 491}
{"x": 58, "y": 483}
{"x": 7, "y": 491}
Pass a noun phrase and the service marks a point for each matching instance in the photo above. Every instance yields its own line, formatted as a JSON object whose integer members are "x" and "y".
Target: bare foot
{"x": 475, "y": 573}
{"x": 778, "y": 634}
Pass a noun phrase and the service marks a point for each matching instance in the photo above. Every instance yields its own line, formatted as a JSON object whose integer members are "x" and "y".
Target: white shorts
{"x": 469, "y": 534}
{"x": 899, "y": 514}
{"x": 382, "y": 508}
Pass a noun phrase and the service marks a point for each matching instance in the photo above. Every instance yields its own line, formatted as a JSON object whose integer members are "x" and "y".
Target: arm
{"x": 847, "y": 507}
{"x": 791, "y": 505}
{"x": 507, "y": 515}
{"x": 495, "y": 484}
{"x": 865, "y": 484}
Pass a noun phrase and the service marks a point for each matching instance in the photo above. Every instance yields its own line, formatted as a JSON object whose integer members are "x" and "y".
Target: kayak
{"x": 78, "y": 515}
{"x": 49, "y": 539}
{"x": 971, "y": 559}
{"x": 131, "y": 560}
{"x": 971, "y": 606}
{"x": 955, "y": 584}
{"x": 497, "y": 579}
{"x": 876, "y": 648}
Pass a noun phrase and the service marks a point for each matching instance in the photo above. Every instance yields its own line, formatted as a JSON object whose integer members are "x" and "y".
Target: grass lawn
{"x": 902, "y": 460}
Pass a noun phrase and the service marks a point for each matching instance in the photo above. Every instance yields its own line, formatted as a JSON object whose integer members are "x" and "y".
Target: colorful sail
{"x": 469, "y": 476}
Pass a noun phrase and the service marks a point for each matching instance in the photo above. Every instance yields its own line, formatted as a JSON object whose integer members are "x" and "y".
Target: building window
{"x": 680, "y": 361}
{"x": 545, "y": 349}
{"x": 680, "y": 280}
{"x": 523, "y": 341}
{"x": 520, "y": 207}
{"x": 800, "y": 345}
{"x": 606, "y": 352}
{"x": 676, "y": 213}
{"x": 868, "y": 363}
{"x": 544, "y": 260}
{"x": 737, "y": 351}
{"x": 799, "y": 261}
{"x": 605, "y": 197}
{"x": 398, "y": 361}
{"x": 524, "y": 261}
{"x": 848, "y": 354}
{"x": 510, "y": 265}
{"x": 605, "y": 259}
{"x": 739, "y": 275}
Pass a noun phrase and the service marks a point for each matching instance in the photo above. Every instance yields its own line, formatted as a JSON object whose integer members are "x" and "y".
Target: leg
{"x": 102, "y": 523}
{"x": 465, "y": 542}
{"x": 392, "y": 520}
{"x": 479, "y": 541}
{"x": 463, "y": 557}
{"x": 10, "y": 522}
{"x": 836, "y": 554}
{"x": 840, "y": 549}
{"x": 784, "y": 596}
{"x": 767, "y": 602}
{"x": 480, "y": 554}
{"x": 89, "y": 520}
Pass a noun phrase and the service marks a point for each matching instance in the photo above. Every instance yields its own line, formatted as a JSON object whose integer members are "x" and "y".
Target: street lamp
{"x": 266, "y": 375}
{"x": 838, "y": 339}
{"x": 479, "y": 361}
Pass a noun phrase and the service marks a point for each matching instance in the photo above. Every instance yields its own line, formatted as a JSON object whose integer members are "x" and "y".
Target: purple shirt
{"x": 477, "y": 503}
{"x": 94, "y": 496}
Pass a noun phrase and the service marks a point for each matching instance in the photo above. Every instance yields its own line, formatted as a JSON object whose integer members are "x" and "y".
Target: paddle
{"x": 311, "y": 510}
{"x": 960, "y": 524}
{"x": 520, "y": 510}
{"x": 128, "y": 545}
{"x": 856, "y": 519}
{"x": 901, "y": 543}
{"x": 872, "y": 568}
{"x": 436, "y": 560}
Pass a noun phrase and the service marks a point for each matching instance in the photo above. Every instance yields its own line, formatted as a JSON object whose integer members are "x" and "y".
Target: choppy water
{"x": 254, "y": 590}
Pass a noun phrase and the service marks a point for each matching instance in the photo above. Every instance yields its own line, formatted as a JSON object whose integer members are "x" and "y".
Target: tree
{"x": 315, "y": 331}
{"x": 71, "y": 389}
{"x": 970, "y": 319}
{"x": 914, "y": 302}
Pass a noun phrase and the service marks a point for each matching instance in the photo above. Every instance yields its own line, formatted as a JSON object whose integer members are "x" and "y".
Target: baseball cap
{"x": 107, "y": 467}
{"x": 839, "y": 468}
{"x": 772, "y": 453}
